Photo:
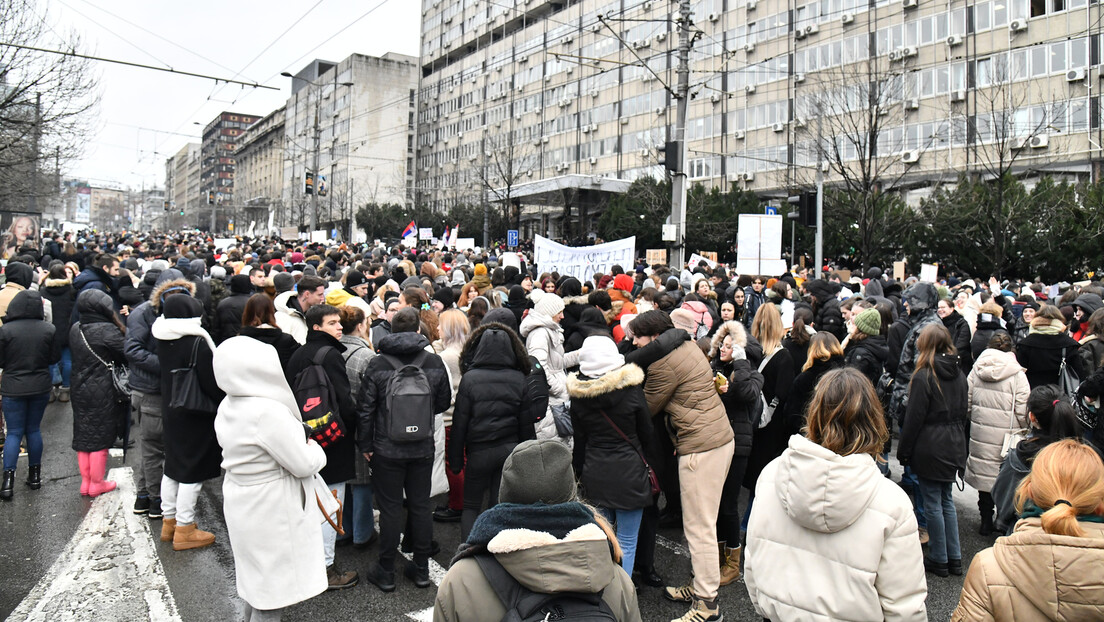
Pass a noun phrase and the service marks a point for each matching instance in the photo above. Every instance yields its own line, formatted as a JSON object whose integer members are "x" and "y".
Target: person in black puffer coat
{"x": 149, "y": 278}
{"x": 827, "y": 316}
{"x": 741, "y": 396}
{"x": 489, "y": 418}
{"x": 609, "y": 465}
{"x": 1040, "y": 353}
{"x": 192, "y": 452}
{"x": 934, "y": 442}
{"x": 960, "y": 333}
{"x": 518, "y": 303}
{"x": 591, "y": 322}
{"x": 58, "y": 289}
{"x": 26, "y": 341}
{"x": 98, "y": 414}
{"x": 230, "y": 309}
{"x": 989, "y": 322}
{"x": 825, "y": 354}
{"x": 195, "y": 273}
{"x": 866, "y": 349}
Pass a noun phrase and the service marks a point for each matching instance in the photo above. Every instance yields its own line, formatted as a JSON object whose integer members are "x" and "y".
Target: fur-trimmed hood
{"x": 576, "y": 300}
{"x": 163, "y": 286}
{"x": 624, "y": 376}
{"x": 57, "y": 282}
{"x": 735, "y": 329}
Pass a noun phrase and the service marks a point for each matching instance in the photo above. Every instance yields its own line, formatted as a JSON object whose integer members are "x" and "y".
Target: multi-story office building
{"x": 259, "y": 177}
{"x": 576, "y": 94}
{"x": 218, "y": 152}
{"x": 353, "y": 121}
{"x": 182, "y": 180}
{"x": 108, "y": 208}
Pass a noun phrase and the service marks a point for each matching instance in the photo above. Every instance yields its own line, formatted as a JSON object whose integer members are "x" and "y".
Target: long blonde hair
{"x": 454, "y": 328}
{"x": 1066, "y": 481}
{"x": 822, "y": 347}
{"x": 767, "y": 328}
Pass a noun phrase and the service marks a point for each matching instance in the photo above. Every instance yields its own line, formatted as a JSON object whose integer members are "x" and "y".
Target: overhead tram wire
{"x": 116, "y": 35}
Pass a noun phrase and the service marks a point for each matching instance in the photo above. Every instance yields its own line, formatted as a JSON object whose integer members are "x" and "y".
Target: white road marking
{"x": 436, "y": 575}
{"x": 108, "y": 571}
{"x": 115, "y": 452}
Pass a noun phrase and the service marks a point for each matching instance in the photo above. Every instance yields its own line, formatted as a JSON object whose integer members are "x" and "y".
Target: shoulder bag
{"x": 653, "y": 480}
{"x": 187, "y": 392}
{"x": 331, "y": 507}
{"x": 120, "y": 374}
{"x": 767, "y": 410}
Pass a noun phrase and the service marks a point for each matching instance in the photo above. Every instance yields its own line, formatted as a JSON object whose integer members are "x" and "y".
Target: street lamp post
{"x": 313, "y": 220}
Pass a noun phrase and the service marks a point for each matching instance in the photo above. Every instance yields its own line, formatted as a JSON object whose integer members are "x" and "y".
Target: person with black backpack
{"x": 540, "y": 554}
{"x": 316, "y": 373}
{"x": 401, "y": 392}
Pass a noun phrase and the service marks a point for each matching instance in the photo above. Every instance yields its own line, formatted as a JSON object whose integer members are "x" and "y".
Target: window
{"x": 1000, "y": 13}
{"x": 981, "y": 17}
{"x": 984, "y": 72}
{"x": 1078, "y": 53}
{"x": 1038, "y": 61}
{"x": 1058, "y": 57}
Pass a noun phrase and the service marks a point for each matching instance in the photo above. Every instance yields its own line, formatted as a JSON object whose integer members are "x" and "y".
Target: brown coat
{"x": 1033, "y": 576}
{"x": 681, "y": 385}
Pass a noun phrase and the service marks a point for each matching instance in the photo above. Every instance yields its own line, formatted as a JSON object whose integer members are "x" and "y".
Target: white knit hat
{"x": 549, "y": 304}
{"x": 599, "y": 356}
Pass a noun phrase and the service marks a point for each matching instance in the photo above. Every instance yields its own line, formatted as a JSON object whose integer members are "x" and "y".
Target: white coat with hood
{"x": 998, "y": 390}
{"x": 832, "y": 539}
{"x": 288, "y": 318}
{"x": 271, "y": 514}
{"x": 544, "y": 340}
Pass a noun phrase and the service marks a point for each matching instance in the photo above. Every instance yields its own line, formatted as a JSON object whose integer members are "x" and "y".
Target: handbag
{"x": 1068, "y": 382}
{"x": 561, "y": 416}
{"x": 333, "y": 511}
{"x": 653, "y": 479}
{"x": 187, "y": 392}
{"x": 120, "y": 373}
{"x": 767, "y": 411}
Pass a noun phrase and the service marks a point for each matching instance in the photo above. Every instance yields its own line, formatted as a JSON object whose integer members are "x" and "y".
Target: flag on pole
{"x": 445, "y": 237}
{"x": 452, "y": 236}
{"x": 411, "y": 230}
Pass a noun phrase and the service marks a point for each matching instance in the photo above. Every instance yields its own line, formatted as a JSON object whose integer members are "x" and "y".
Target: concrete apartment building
{"x": 218, "y": 152}
{"x": 182, "y": 180}
{"x": 917, "y": 89}
{"x": 259, "y": 174}
{"x": 108, "y": 208}
{"x": 363, "y": 139}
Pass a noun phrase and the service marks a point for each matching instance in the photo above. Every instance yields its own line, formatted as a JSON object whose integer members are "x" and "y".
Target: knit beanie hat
{"x": 538, "y": 471}
{"x": 599, "y": 356}
{"x": 283, "y": 282}
{"x": 355, "y": 278}
{"x": 480, "y": 269}
{"x": 549, "y": 304}
{"x": 869, "y": 322}
{"x": 623, "y": 282}
{"x": 218, "y": 272}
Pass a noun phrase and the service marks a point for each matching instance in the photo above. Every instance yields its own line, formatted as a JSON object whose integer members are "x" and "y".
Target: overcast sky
{"x": 142, "y": 111}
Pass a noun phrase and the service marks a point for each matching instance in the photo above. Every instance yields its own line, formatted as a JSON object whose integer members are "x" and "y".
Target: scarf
{"x": 171, "y": 329}
{"x": 1055, "y": 328}
{"x": 557, "y": 520}
{"x": 1031, "y": 510}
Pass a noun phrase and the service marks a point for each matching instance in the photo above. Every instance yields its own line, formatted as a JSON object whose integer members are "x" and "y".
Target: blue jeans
{"x": 627, "y": 525}
{"x": 909, "y": 482}
{"x": 359, "y": 523}
{"x": 942, "y": 521}
{"x": 61, "y": 371}
{"x": 24, "y": 415}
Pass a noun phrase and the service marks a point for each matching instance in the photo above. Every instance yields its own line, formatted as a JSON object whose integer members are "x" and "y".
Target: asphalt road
{"x": 37, "y": 526}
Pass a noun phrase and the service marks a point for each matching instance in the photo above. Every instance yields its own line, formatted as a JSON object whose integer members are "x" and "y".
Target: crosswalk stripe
{"x": 108, "y": 571}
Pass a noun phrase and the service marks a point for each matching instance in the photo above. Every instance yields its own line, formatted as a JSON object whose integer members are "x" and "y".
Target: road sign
{"x": 770, "y": 210}
{"x": 512, "y": 238}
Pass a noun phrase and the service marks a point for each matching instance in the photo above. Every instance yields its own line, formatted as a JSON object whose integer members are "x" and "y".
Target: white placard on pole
{"x": 929, "y": 273}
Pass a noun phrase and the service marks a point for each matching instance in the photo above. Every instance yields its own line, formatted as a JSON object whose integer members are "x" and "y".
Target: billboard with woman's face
{"x": 18, "y": 230}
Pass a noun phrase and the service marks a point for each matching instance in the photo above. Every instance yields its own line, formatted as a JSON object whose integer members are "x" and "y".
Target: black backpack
{"x": 317, "y": 401}
{"x": 524, "y": 605}
{"x": 537, "y": 389}
{"x": 409, "y": 401}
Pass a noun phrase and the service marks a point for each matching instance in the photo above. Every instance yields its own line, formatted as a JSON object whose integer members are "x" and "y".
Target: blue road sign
{"x": 512, "y": 238}
{"x": 770, "y": 210}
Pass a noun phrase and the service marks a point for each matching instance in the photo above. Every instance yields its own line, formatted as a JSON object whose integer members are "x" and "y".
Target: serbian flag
{"x": 452, "y": 236}
{"x": 411, "y": 230}
{"x": 445, "y": 237}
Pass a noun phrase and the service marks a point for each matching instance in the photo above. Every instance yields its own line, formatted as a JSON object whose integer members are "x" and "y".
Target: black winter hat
{"x": 355, "y": 278}
{"x": 19, "y": 273}
{"x": 239, "y": 284}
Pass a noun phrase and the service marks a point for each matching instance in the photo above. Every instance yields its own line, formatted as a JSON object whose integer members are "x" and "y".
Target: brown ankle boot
{"x": 168, "y": 529}
{"x": 721, "y": 552}
{"x": 730, "y": 566}
{"x": 189, "y": 537}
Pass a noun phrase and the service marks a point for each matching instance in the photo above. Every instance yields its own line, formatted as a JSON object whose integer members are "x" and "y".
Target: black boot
{"x": 34, "y": 476}
{"x": 7, "y": 489}
{"x": 419, "y": 575}
{"x": 986, "y": 528}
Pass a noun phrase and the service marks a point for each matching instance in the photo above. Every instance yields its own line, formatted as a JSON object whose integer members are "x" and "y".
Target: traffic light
{"x": 167, "y": 206}
{"x": 210, "y": 197}
{"x": 806, "y": 207}
{"x": 309, "y": 183}
{"x": 670, "y": 156}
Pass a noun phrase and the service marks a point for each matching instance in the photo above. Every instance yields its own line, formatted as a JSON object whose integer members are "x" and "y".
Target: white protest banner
{"x": 289, "y": 233}
{"x": 759, "y": 250}
{"x": 463, "y": 244}
{"x": 224, "y": 243}
{"x": 696, "y": 258}
{"x": 929, "y": 273}
{"x": 425, "y": 234}
{"x": 582, "y": 262}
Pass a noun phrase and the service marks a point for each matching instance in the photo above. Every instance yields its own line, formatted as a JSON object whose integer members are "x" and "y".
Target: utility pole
{"x": 32, "y": 200}
{"x": 314, "y": 193}
{"x": 819, "y": 253}
{"x": 678, "y": 178}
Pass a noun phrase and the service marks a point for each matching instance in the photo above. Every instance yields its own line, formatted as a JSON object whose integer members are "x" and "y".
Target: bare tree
{"x": 505, "y": 163}
{"x": 46, "y": 101}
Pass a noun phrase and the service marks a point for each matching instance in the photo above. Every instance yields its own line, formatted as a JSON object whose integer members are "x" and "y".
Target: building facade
{"x": 182, "y": 183}
{"x": 259, "y": 178}
{"x": 218, "y": 152}
{"x": 109, "y": 208}
{"x": 781, "y": 90}
{"x": 353, "y": 122}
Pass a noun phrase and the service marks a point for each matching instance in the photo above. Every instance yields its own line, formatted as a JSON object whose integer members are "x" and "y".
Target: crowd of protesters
{"x": 562, "y": 420}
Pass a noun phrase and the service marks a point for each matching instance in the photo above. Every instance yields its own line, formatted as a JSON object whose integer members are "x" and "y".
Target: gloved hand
{"x": 738, "y": 352}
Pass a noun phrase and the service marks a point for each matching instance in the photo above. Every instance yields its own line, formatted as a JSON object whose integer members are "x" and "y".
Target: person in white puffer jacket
{"x": 998, "y": 390}
{"x": 830, "y": 538}
{"x": 544, "y": 339}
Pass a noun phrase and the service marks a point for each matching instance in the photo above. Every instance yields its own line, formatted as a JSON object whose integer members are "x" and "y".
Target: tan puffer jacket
{"x": 681, "y": 384}
{"x": 998, "y": 391}
{"x": 1032, "y": 576}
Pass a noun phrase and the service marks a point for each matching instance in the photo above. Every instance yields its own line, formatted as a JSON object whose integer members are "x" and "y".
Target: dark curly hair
{"x": 521, "y": 355}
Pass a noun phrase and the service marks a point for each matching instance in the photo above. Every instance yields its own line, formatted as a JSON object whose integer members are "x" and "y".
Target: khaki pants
{"x": 701, "y": 479}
